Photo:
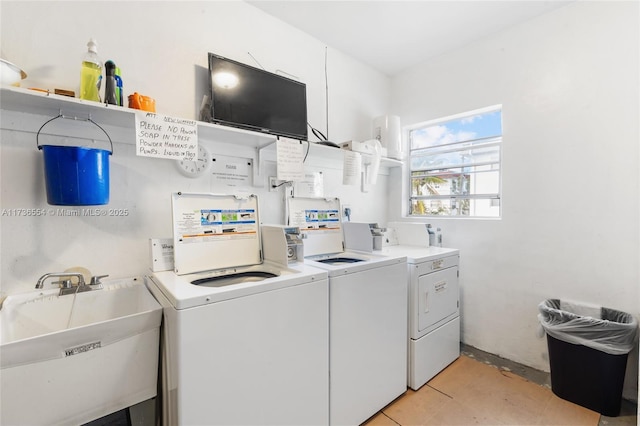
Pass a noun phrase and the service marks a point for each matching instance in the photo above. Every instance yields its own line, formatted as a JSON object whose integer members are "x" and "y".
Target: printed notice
{"x": 351, "y": 168}
{"x": 231, "y": 171}
{"x": 310, "y": 186}
{"x": 290, "y": 157}
{"x": 166, "y": 137}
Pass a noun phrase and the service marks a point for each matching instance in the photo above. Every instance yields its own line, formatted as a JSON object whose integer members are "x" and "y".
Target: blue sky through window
{"x": 477, "y": 126}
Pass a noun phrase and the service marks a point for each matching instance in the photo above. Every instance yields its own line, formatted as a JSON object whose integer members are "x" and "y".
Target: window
{"x": 455, "y": 165}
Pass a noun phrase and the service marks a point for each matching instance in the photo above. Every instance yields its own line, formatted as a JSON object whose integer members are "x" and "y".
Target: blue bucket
{"x": 76, "y": 175}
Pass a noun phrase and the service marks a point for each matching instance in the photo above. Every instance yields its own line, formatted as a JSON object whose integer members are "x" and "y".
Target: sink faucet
{"x": 42, "y": 279}
{"x": 66, "y": 287}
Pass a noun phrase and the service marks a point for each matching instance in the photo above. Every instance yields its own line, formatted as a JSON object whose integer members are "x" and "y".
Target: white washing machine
{"x": 245, "y": 341}
{"x": 367, "y": 314}
{"x": 434, "y": 307}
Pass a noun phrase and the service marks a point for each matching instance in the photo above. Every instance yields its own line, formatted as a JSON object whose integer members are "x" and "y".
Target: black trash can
{"x": 588, "y": 350}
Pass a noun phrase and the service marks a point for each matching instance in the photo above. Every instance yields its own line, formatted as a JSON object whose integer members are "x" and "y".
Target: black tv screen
{"x": 250, "y": 98}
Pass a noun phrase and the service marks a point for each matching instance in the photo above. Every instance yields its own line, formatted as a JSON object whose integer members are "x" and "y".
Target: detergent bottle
{"x": 91, "y": 73}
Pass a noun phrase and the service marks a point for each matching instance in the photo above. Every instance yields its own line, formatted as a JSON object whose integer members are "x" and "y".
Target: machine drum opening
{"x": 339, "y": 260}
{"x": 240, "y": 277}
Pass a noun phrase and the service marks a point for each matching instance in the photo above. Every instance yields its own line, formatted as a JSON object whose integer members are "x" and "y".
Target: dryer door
{"x": 437, "y": 298}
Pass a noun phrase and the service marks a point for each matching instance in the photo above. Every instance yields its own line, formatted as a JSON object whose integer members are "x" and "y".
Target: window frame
{"x": 498, "y": 141}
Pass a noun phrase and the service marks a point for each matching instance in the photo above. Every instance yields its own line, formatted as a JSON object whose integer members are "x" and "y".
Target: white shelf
{"x": 336, "y": 154}
{"x": 50, "y": 105}
{"x": 122, "y": 121}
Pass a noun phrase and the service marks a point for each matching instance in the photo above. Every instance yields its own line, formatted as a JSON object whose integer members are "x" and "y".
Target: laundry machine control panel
{"x": 437, "y": 264}
{"x": 295, "y": 247}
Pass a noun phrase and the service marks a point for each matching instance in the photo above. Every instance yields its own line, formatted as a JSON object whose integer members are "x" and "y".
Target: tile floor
{"x": 479, "y": 389}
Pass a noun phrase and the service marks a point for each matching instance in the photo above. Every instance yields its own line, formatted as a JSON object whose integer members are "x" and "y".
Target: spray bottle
{"x": 438, "y": 237}
{"x": 119, "y": 93}
{"x": 432, "y": 235}
{"x": 110, "y": 88}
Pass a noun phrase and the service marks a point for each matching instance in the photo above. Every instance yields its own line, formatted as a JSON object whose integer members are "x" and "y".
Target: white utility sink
{"x": 80, "y": 356}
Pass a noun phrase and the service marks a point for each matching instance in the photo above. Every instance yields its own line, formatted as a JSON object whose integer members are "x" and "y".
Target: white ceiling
{"x": 391, "y": 36}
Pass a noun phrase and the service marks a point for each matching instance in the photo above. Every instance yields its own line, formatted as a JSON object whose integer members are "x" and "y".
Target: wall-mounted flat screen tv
{"x": 250, "y": 98}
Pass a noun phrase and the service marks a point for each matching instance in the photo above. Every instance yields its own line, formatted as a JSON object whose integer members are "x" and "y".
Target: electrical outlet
{"x": 273, "y": 182}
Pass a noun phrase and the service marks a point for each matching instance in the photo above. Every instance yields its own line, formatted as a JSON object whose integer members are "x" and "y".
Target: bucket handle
{"x": 73, "y": 118}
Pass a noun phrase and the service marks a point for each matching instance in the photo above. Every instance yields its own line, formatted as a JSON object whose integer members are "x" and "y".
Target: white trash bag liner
{"x": 607, "y": 330}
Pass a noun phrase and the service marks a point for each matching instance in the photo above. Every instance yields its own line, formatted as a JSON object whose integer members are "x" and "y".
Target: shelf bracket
{"x": 258, "y": 164}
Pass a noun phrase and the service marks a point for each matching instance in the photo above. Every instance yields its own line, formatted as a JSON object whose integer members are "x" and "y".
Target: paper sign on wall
{"x": 351, "y": 168}
{"x": 311, "y": 186}
{"x": 231, "y": 171}
{"x": 290, "y": 157}
{"x": 166, "y": 137}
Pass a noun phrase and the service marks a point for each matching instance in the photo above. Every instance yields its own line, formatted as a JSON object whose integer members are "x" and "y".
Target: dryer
{"x": 367, "y": 314}
{"x": 434, "y": 306}
{"x": 245, "y": 339}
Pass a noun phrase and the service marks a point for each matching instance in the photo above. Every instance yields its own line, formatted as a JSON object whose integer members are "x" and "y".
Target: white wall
{"x": 162, "y": 50}
{"x": 568, "y": 83}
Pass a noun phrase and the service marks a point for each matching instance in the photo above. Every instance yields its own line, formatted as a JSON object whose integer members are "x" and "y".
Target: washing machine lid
{"x": 410, "y": 233}
{"x": 212, "y": 231}
{"x": 320, "y": 224}
{"x": 416, "y": 255}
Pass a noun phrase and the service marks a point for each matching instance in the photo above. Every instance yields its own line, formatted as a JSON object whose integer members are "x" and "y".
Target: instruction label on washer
{"x": 207, "y": 225}
{"x": 314, "y": 219}
{"x": 437, "y": 264}
{"x": 440, "y": 286}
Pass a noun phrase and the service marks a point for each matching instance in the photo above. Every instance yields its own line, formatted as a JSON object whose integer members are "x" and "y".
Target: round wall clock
{"x": 198, "y": 167}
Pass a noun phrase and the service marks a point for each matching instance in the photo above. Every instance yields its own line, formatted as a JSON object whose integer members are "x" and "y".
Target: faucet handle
{"x": 64, "y": 283}
{"x": 95, "y": 280}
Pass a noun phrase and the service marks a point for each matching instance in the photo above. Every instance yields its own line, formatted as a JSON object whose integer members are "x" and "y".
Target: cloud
{"x": 471, "y": 119}
{"x": 439, "y": 135}
{"x": 465, "y": 135}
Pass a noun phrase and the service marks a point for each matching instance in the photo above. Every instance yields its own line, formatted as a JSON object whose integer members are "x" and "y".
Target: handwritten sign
{"x": 290, "y": 156}
{"x": 351, "y": 168}
{"x": 166, "y": 137}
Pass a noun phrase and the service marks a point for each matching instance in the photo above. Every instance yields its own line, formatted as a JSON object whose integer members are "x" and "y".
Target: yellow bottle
{"x": 91, "y": 73}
